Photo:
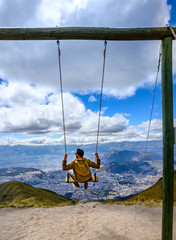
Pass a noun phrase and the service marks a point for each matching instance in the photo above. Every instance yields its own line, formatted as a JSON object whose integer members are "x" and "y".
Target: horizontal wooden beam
{"x": 86, "y": 33}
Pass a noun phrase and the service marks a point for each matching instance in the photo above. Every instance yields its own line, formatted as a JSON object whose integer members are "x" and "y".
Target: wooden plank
{"x": 72, "y": 180}
{"x": 168, "y": 139}
{"x": 85, "y": 33}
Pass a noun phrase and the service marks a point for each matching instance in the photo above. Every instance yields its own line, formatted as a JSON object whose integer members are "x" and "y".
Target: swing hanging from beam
{"x": 166, "y": 34}
{"x": 69, "y": 178}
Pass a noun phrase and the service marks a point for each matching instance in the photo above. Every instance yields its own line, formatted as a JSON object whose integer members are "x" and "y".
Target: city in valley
{"x": 123, "y": 173}
{"x": 109, "y": 186}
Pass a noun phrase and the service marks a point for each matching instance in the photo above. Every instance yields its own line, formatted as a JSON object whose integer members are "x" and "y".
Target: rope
{"x": 102, "y": 82}
{"x": 158, "y": 68}
{"x": 172, "y": 30}
{"x": 61, "y": 92}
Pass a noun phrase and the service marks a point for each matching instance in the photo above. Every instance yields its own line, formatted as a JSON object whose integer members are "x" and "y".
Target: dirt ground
{"x": 85, "y": 221}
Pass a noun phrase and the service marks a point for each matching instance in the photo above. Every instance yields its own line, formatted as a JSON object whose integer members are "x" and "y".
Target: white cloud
{"x": 37, "y": 114}
{"x": 156, "y": 125}
{"x": 33, "y": 110}
{"x": 130, "y": 65}
{"x": 127, "y": 115}
{"x": 56, "y": 13}
{"x": 30, "y": 103}
{"x": 18, "y": 13}
{"x": 92, "y": 99}
{"x": 131, "y": 133}
{"x": 22, "y": 94}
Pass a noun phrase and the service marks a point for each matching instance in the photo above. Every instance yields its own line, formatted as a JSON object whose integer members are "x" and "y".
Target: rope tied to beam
{"x": 61, "y": 93}
{"x": 101, "y": 96}
{"x": 172, "y": 30}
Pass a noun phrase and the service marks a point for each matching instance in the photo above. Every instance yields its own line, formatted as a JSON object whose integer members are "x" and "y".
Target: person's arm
{"x": 93, "y": 164}
{"x": 66, "y": 166}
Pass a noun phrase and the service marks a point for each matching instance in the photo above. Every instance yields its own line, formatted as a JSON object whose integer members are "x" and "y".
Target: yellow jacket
{"x": 81, "y": 168}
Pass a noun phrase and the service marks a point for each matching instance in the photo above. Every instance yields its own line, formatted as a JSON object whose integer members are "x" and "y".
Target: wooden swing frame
{"x": 165, "y": 34}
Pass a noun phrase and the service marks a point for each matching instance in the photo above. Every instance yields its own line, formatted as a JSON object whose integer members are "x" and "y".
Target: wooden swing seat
{"x": 70, "y": 179}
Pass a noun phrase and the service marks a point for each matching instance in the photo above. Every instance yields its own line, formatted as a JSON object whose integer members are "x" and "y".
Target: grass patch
{"x": 22, "y": 195}
{"x": 151, "y": 197}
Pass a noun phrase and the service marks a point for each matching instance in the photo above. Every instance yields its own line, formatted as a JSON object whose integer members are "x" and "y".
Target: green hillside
{"x": 18, "y": 194}
{"x": 153, "y": 193}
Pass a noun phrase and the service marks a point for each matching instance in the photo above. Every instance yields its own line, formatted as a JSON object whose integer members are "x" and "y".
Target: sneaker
{"x": 85, "y": 185}
{"x": 76, "y": 184}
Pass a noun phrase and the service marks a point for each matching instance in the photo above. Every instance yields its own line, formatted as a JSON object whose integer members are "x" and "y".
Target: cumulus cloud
{"x": 30, "y": 102}
{"x": 18, "y": 13}
{"x": 130, "y": 65}
{"x": 92, "y": 99}
{"x": 131, "y": 133}
{"x": 36, "y": 114}
{"x": 31, "y": 110}
{"x": 156, "y": 125}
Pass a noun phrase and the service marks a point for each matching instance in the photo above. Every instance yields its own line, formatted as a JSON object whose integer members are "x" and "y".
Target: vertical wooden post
{"x": 168, "y": 139}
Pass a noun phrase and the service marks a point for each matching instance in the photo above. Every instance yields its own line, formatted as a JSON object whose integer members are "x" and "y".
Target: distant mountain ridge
{"x": 34, "y": 150}
{"x": 127, "y": 156}
{"x": 49, "y": 157}
{"x": 130, "y": 167}
{"x": 19, "y": 170}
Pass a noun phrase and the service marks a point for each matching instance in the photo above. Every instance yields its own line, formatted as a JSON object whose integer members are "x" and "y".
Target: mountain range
{"x": 49, "y": 157}
{"x": 127, "y": 156}
{"x": 129, "y": 167}
{"x": 20, "y": 171}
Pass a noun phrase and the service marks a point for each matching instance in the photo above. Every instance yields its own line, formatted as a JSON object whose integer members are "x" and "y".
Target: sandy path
{"x": 88, "y": 221}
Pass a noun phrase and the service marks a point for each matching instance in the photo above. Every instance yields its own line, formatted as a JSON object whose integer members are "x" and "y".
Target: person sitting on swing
{"x": 80, "y": 168}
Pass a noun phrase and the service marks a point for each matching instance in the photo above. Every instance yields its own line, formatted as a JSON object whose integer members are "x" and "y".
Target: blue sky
{"x": 138, "y": 107}
{"x": 30, "y": 109}
{"x": 173, "y": 12}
